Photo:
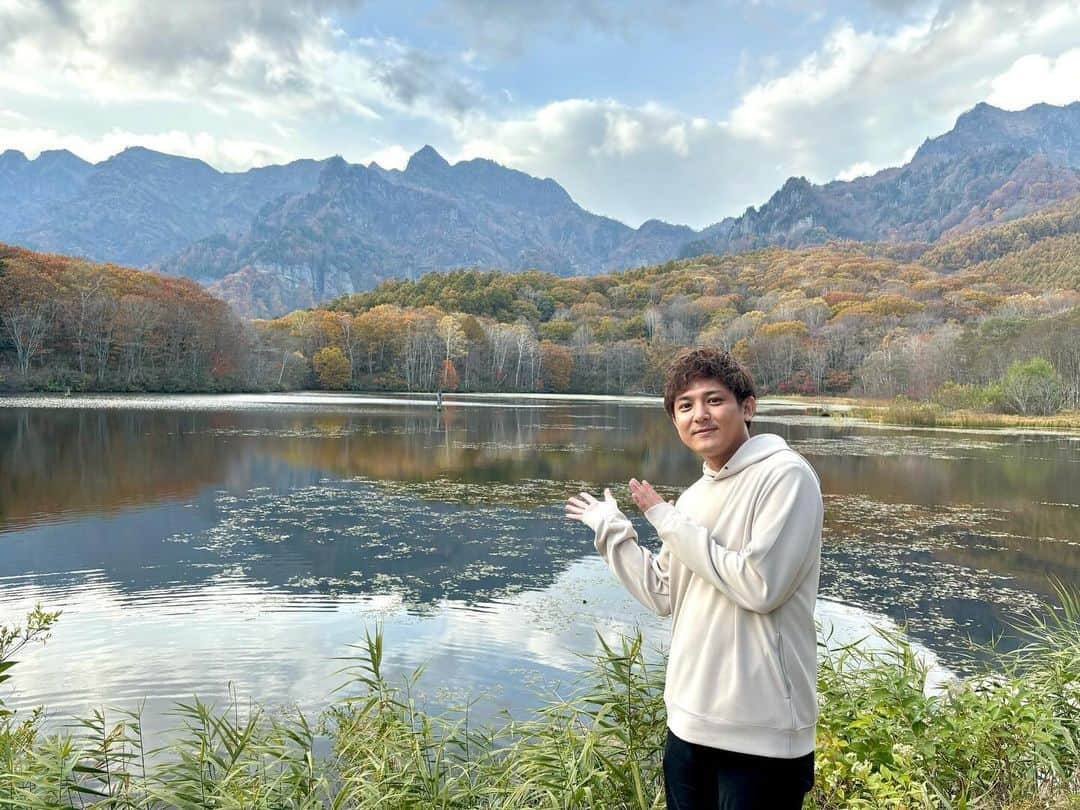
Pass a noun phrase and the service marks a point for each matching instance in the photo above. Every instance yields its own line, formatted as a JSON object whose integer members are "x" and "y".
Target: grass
{"x": 1007, "y": 737}
{"x": 904, "y": 411}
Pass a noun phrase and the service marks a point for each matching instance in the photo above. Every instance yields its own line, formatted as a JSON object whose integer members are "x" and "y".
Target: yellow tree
{"x": 332, "y": 367}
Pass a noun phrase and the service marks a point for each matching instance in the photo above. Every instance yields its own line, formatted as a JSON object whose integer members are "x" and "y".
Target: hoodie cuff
{"x": 657, "y": 515}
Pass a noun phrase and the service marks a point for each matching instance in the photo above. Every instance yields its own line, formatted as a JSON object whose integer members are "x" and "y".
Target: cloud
{"x": 861, "y": 101}
{"x": 222, "y": 153}
{"x": 391, "y": 157}
{"x": 864, "y": 98}
{"x": 269, "y": 59}
{"x": 633, "y": 163}
{"x": 860, "y": 169}
{"x": 277, "y": 81}
{"x": 1034, "y": 78}
{"x": 412, "y": 75}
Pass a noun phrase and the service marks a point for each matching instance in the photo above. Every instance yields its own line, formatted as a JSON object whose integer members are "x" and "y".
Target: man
{"x": 738, "y": 572}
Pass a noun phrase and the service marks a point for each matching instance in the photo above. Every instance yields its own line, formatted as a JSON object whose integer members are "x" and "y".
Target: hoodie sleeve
{"x": 785, "y": 533}
{"x": 642, "y": 573}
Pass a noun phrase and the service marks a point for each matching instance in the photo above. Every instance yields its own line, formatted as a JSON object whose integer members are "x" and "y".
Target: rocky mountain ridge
{"x": 281, "y": 237}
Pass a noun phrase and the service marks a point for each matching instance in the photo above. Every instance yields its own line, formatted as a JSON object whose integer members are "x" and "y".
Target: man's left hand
{"x": 644, "y": 495}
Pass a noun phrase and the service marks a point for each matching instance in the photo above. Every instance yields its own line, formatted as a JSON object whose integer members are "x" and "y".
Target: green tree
{"x": 1032, "y": 387}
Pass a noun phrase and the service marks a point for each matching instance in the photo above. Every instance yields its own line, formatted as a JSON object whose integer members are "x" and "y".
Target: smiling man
{"x": 738, "y": 572}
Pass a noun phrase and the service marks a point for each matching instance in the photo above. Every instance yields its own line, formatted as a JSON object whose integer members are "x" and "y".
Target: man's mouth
{"x": 704, "y": 430}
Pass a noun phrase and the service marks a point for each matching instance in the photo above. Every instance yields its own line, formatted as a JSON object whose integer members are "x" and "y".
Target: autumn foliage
{"x": 882, "y": 320}
{"x": 69, "y": 324}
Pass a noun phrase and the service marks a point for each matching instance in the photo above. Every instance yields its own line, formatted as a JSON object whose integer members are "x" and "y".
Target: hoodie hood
{"x": 752, "y": 451}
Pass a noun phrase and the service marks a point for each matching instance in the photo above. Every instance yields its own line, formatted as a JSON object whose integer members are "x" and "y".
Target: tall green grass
{"x": 1006, "y": 737}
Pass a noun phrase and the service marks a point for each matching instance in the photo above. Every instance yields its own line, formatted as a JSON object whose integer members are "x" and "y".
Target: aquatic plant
{"x": 1006, "y": 737}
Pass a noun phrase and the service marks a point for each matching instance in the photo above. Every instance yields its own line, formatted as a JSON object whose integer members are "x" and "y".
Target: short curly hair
{"x": 707, "y": 364}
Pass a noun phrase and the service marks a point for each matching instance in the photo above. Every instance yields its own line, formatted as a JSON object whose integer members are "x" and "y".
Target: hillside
{"x": 360, "y": 226}
{"x": 836, "y": 318}
{"x": 993, "y": 165}
{"x": 66, "y": 323}
{"x": 136, "y": 207}
{"x": 281, "y": 237}
{"x": 1039, "y": 249}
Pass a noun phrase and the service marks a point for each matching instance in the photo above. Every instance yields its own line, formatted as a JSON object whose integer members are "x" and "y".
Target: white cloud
{"x": 271, "y": 60}
{"x": 633, "y": 163}
{"x": 222, "y": 153}
{"x": 280, "y": 81}
{"x": 390, "y": 157}
{"x": 864, "y": 98}
{"x": 825, "y": 74}
{"x": 860, "y": 169}
{"x": 860, "y": 102}
{"x": 1034, "y": 78}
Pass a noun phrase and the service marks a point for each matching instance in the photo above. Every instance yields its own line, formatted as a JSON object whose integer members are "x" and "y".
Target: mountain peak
{"x": 12, "y": 156}
{"x": 427, "y": 158}
{"x": 979, "y": 113}
{"x": 62, "y": 157}
{"x": 1041, "y": 128}
{"x": 142, "y": 153}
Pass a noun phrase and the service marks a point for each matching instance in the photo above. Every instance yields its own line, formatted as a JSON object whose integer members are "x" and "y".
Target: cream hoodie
{"x": 738, "y": 572}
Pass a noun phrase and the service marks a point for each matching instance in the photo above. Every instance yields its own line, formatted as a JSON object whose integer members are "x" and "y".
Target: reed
{"x": 905, "y": 411}
{"x": 1008, "y": 736}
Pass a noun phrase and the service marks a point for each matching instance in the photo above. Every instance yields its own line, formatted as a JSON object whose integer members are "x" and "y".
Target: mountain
{"x": 362, "y": 225}
{"x": 281, "y": 237}
{"x": 992, "y": 166}
{"x": 136, "y": 207}
{"x": 1040, "y": 249}
{"x": 27, "y": 187}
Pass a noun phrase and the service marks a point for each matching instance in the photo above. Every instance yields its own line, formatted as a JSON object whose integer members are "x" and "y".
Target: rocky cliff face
{"x": 136, "y": 207}
{"x": 281, "y": 237}
{"x": 362, "y": 225}
{"x": 993, "y": 165}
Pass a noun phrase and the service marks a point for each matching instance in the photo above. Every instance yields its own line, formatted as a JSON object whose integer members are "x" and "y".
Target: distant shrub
{"x": 557, "y": 330}
{"x": 837, "y": 382}
{"x": 798, "y": 383}
{"x": 960, "y": 397}
{"x": 1032, "y": 387}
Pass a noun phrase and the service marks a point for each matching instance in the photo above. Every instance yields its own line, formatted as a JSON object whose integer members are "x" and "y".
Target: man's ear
{"x": 749, "y": 408}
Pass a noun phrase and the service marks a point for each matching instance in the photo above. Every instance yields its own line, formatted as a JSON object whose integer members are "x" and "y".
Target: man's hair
{"x": 706, "y": 364}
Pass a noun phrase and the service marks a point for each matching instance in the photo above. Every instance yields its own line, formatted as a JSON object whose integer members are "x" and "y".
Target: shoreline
{"x": 864, "y": 412}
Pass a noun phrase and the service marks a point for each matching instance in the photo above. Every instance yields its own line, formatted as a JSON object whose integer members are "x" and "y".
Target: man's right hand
{"x": 589, "y": 510}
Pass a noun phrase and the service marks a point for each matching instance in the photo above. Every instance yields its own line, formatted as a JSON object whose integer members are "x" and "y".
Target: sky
{"x": 678, "y": 110}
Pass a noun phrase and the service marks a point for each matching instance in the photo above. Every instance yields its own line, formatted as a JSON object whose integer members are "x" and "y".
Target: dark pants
{"x": 697, "y": 777}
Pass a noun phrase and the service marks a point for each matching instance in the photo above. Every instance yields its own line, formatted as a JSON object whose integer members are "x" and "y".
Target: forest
{"x": 989, "y": 321}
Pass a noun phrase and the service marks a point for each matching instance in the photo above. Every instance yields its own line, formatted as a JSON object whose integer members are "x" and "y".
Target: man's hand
{"x": 644, "y": 495}
{"x": 588, "y": 510}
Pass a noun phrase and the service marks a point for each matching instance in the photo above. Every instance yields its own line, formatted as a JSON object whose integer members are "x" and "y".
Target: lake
{"x": 198, "y": 544}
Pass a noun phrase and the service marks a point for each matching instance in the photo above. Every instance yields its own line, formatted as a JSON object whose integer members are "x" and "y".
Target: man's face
{"x": 710, "y": 421}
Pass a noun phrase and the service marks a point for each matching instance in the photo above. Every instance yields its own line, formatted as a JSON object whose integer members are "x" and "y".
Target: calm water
{"x": 198, "y": 542}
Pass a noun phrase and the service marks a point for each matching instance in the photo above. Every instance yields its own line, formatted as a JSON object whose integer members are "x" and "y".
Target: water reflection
{"x": 196, "y": 539}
